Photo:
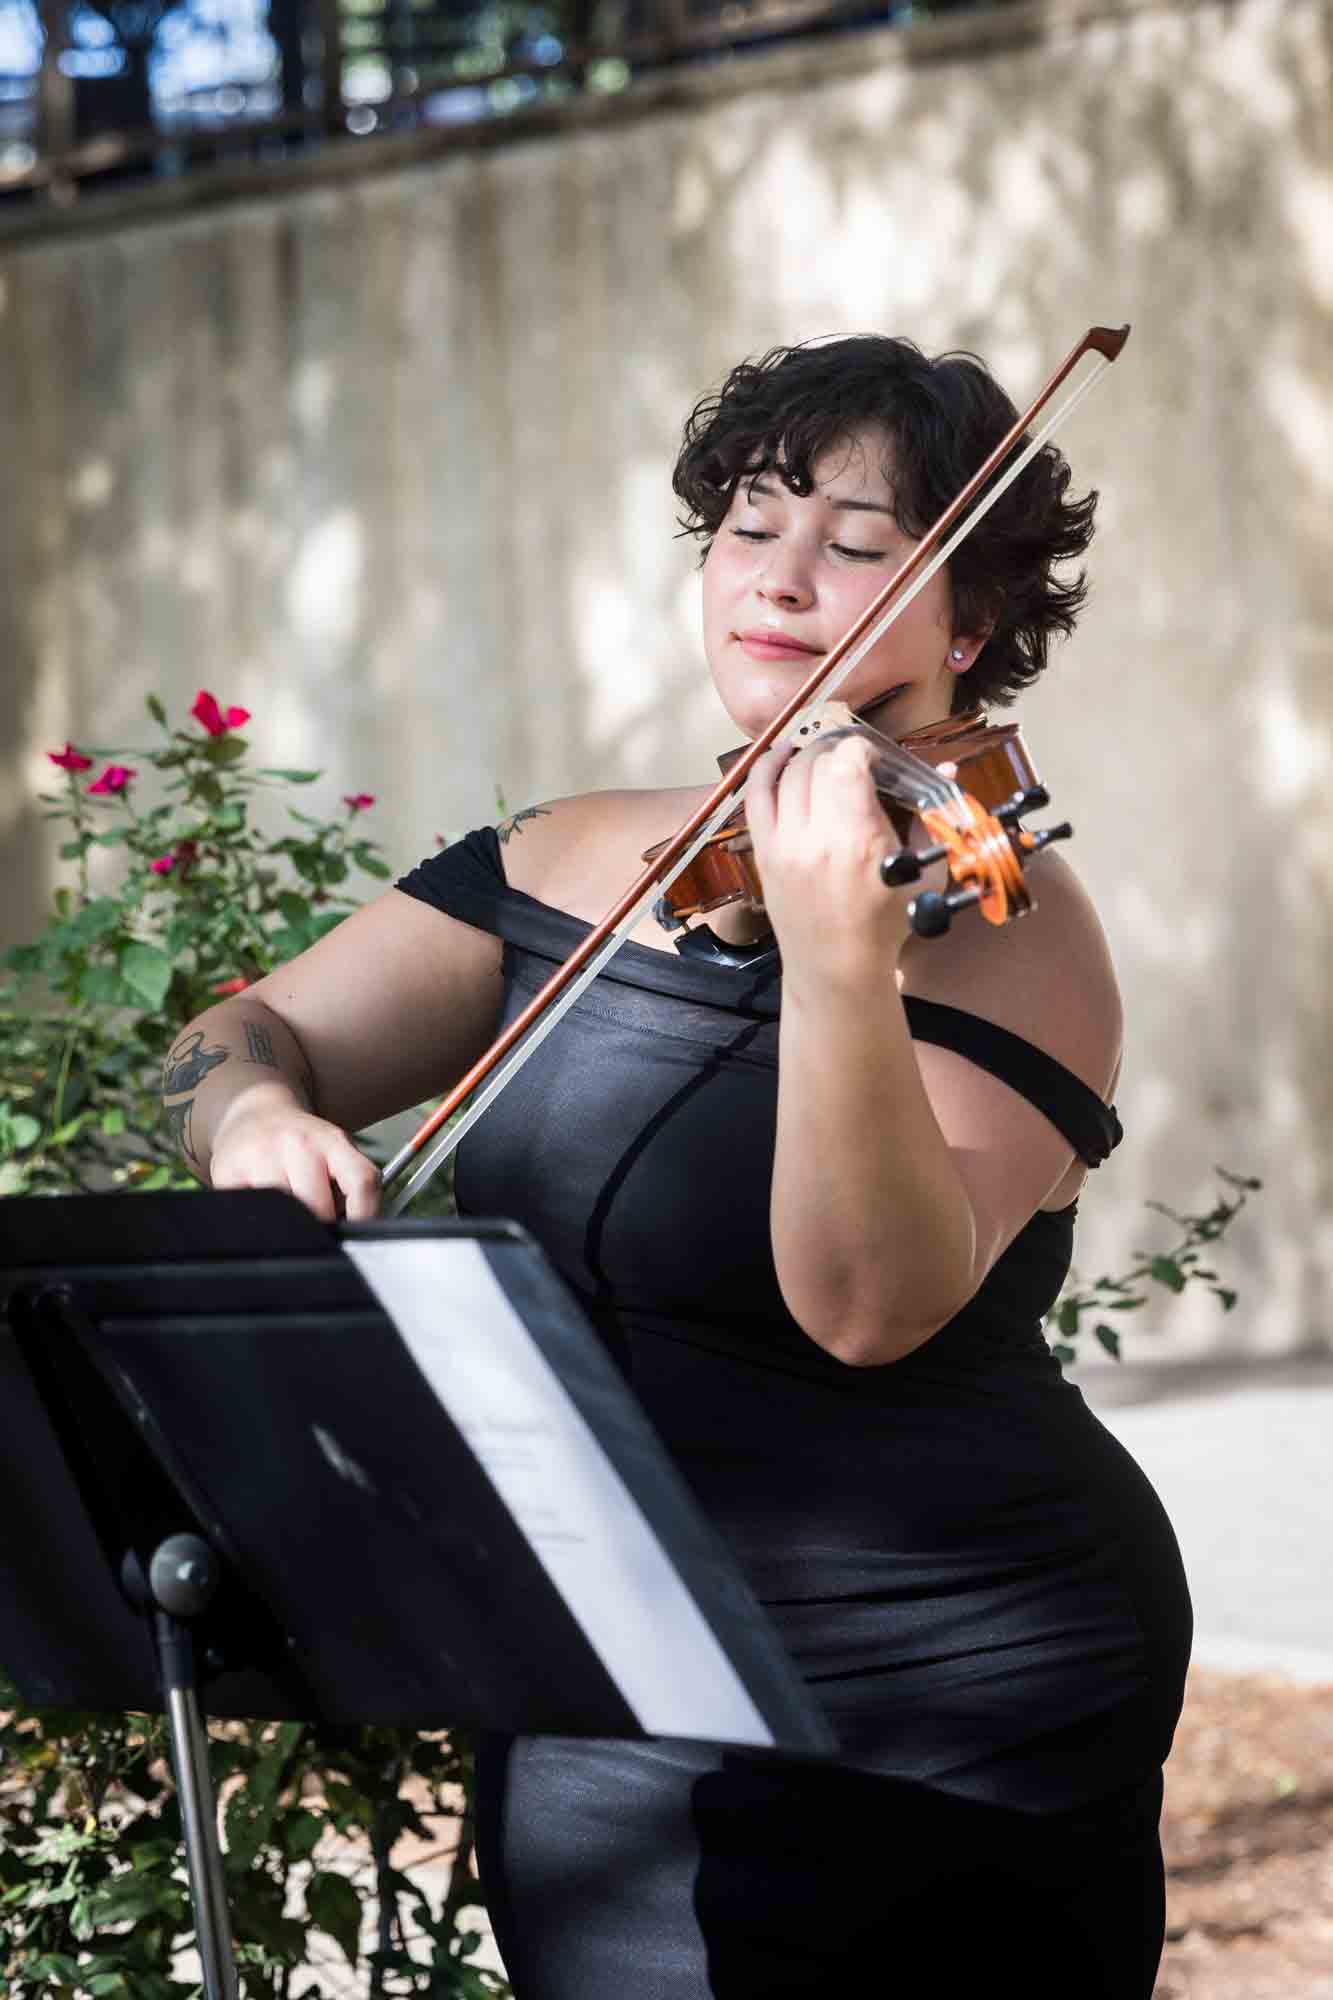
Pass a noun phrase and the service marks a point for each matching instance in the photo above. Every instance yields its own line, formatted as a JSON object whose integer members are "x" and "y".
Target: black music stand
{"x": 377, "y": 1473}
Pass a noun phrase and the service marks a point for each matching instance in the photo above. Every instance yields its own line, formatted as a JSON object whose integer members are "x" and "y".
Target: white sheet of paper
{"x": 581, "y": 1521}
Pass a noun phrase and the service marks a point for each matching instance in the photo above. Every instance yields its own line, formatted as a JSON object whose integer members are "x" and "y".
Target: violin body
{"x": 993, "y": 770}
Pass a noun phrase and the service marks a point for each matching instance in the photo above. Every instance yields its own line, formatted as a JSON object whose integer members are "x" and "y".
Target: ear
{"x": 964, "y": 647}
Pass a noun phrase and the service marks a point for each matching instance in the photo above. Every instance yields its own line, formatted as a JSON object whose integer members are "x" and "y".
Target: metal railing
{"x": 348, "y": 70}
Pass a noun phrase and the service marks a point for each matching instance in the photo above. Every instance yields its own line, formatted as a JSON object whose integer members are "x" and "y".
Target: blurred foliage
{"x": 1154, "y": 1272}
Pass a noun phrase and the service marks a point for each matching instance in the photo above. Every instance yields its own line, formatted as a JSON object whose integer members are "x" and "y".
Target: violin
{"x": 973, "y": 817}
{"x": 983, "y": 846}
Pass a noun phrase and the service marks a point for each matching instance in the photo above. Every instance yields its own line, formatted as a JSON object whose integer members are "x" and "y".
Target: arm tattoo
{"x": 515, "y": 821}
{"x": 189, "y": 1063}
{"x": 176, "y": 1118}
{"x": 259, "y": 1044}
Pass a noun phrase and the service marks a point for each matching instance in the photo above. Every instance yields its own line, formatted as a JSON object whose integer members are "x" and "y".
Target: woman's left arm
{"x": 902, "y": 1171}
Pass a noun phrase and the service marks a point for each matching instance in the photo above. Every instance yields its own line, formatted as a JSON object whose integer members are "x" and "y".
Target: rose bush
{"x": 176, "y": 898}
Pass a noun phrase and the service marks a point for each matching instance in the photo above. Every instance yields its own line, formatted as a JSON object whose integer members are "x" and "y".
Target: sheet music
{"x": 578, "y": 1516}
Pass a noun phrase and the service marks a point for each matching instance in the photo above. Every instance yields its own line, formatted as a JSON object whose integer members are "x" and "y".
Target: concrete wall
{"x": 389, "y": 463}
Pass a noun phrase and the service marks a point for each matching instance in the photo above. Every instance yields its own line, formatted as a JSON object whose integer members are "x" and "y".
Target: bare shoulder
{"x": 1047, "y": 976}
{"x": 578, "y": 853}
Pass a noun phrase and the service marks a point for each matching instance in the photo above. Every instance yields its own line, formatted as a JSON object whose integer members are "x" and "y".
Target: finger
{"x": 761, "y": 788}
{"x": 845, "y": 783}
{"x": 359, "y": 1181}
{"x": 308, "y": 1179}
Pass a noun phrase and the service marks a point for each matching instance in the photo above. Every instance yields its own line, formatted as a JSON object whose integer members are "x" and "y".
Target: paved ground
{"x": 1242, "y": 1456}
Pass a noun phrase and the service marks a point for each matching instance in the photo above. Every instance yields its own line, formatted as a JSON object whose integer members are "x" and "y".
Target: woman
{"x": 821, "y": 1236}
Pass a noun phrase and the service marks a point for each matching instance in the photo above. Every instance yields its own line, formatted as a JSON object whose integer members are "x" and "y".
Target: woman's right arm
{"x": 388, "y": 1009}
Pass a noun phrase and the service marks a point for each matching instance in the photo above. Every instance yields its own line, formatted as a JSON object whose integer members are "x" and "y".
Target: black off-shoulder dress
{"x": 973, "y": 1576}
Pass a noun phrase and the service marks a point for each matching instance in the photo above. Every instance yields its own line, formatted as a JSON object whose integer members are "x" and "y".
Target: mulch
{"x": 1248, "y": 1834}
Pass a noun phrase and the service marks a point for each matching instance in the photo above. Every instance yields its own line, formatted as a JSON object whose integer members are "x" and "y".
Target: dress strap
{"x": 1091, "y": 1127}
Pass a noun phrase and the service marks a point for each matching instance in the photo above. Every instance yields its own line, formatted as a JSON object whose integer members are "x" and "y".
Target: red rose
{"x": 214, "y": 719}
{"x": 113, "y": 779}
{"x": 237, "y": 985}
{"x": 70, "y": 759}
{"x": 163, "y": 865}
{"x": 358, "y": 801}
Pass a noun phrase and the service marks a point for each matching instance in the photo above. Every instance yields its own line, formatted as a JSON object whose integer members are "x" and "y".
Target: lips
{"x": 763, "y": 642}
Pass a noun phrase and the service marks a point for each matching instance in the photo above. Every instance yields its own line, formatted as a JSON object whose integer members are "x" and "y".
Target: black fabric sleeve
{"x": 466, "y": 880}
{"x": 1090, "y": 1126}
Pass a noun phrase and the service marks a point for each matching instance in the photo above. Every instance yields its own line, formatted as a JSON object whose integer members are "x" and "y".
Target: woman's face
{"x": 787, "y": 574}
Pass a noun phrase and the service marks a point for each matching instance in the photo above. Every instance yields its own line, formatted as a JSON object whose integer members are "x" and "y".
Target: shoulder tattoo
{"x": 515, "y": 821}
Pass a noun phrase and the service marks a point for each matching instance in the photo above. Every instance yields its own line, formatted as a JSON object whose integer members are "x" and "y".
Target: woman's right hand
{"x": 281, "y": 1145}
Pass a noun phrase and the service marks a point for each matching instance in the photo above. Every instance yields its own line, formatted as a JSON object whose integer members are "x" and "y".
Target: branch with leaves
{"x": 1171, "y": 1270}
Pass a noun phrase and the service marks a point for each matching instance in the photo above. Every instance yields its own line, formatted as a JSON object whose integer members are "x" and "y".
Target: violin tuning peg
{"x": 931, "y": 914}
{"x": 895, "y": 870}
{"x": 908, "y": 865}
{"x": 1049, "y": 833}
{"x": 666, "y": 916}
{"x": 1030, "y": 800}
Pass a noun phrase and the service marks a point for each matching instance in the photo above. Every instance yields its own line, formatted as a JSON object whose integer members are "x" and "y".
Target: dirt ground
{"x": 1248, "y": 1832}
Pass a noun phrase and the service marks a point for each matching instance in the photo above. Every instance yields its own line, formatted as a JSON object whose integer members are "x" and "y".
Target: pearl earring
{"x": 957, "y": 653}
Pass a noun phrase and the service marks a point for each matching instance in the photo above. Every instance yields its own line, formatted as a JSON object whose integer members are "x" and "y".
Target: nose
{"x": 784, "y": 577}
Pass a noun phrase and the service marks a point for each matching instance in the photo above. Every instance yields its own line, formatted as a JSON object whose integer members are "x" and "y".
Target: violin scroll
{"x": 983, "y": 853}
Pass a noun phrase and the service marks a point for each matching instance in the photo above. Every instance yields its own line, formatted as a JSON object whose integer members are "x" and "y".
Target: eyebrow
{"x": 765, "y": 488}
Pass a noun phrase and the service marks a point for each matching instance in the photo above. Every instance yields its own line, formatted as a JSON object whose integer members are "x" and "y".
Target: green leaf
{"x": 104, "y": 987}
{"x": 207, "y": 788}
{"x": 1109, "y": 1339}
{"x": 113, "y": 1121}
{"x": 71, "y": 849}
{"x": 1167, "y": 1272}
{"x": 18, "y": 1130}
{"x": 1062, "y": 1353}
{"x": 23, "y": 958}
{"x": 291, "y": 777}
{"x": 1066, "y": 1319}
{"x": 95, "y": 919}
{"x": 300, "y": 1833}
{"x": 223, "y": 750}
{"x": 159, "y": 1178}
{"x": 335, "y": 1908}
{"x": 155, "y": 709}
{"x": 147, "y": 973}
{"x": 371, "y": 865}
{"x": 132, "y": 1895}
{"x": 1228, "y": 1298}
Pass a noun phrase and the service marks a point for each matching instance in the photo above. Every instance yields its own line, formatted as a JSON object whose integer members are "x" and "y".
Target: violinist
{"x": 814, "y": 1179}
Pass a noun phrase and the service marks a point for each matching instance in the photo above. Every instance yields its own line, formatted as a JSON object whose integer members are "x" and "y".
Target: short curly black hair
{"x": 942, "y": 416}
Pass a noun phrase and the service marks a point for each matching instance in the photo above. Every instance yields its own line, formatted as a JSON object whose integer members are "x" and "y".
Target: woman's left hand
{"x": 820, "y": 834}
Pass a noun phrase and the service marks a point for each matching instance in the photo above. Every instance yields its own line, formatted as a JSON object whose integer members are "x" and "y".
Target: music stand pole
{"x": 182, "y": 1580}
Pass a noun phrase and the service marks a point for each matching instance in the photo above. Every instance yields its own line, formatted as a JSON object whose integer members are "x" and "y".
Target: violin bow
{"x": 528, "y": 1029}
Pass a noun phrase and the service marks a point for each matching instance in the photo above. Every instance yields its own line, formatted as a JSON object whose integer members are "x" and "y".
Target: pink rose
{"x": 163, "y": 865}
{"x": 358, "y": 801}
{"x": 214, "y": 719}
{"x": 70, "y": 759}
